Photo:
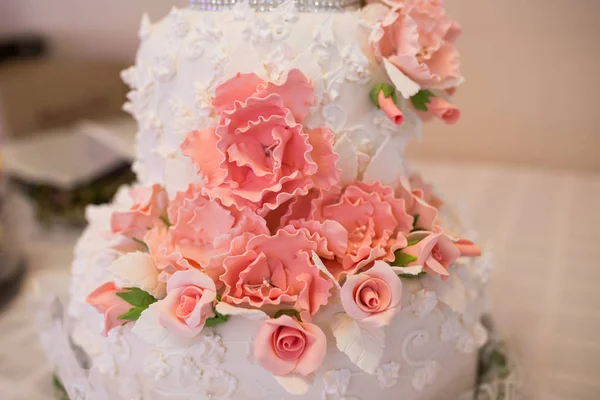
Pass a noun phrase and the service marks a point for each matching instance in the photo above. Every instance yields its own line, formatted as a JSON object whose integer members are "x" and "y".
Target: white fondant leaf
{"x": 321, "y": 267}
{"x": 414, "y": 270}
{"x": 361, "y": 343}
{"x": 251, "y": 314}
{"x": 406, "y": 86}
{"x": 149, "y": 329}
{"x": 296, "y": 384}
{"x": 347, "y": 161}
{"x": 138, "y": 270}
{"x": 385, "y": 166}
{"x": 451, "y": 291}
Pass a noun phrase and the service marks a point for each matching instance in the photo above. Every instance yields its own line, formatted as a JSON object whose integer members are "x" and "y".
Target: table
{"x": 543, "y": 228}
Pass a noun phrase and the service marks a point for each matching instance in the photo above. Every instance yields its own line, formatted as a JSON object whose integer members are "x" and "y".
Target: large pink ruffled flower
{"x": 276, "y": 270}
{"x": 105, "y": 300}
{"x": 200, "y": 234}
{"x": 189, "y": 302}
{"x": 148, "y": 205}
{"x": 376, "y": 222}
{"x": 260, "y": 155}
{"x": 284, "y": 346}
{"x": 373, "y": 297}
{"x": 418, "y": 37}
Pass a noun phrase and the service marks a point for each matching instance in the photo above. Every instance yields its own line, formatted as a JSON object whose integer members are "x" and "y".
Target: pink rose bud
{"x": 390, "y": 109}
{"x": 284, "y": 346}
{"x": 435, "y": 251}
{"x": 373, "y": 297}
{"x": 105, "y": 300}
{"x": 189, "y": 302}
{"x": 443, "y": 110}
{"x": 467, "y": 248}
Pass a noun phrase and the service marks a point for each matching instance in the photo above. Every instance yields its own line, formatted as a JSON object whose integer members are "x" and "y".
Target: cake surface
{"x": 276, "y": 245}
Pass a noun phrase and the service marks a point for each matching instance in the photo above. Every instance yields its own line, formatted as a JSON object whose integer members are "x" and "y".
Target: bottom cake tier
{"x": 430, "y": 349}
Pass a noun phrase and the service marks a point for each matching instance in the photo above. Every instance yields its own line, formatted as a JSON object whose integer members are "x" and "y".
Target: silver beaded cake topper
{"x": 268, "y": 5}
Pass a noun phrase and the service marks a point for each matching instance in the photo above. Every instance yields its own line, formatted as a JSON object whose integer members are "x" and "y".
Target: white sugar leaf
{"x": 406, "y": 86}
{"x": 451, "y": 291}
{"x": 362, "y": 344}
{"x": 321, "y": 267}
{"x": 414, "y": 270}
{"x": 347, "y": 161}
{"x": 296, "y": 384}
{"x": 149, "y": 329}
{"x": 251, "y": 314}
{"x": 138, "y": 270}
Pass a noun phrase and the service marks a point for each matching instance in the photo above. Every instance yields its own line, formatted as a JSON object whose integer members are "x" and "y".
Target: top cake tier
{"x": 185, "y": 57}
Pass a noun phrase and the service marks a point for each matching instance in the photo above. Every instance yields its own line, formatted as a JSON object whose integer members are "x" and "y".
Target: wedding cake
{"x": 276, "y": 245}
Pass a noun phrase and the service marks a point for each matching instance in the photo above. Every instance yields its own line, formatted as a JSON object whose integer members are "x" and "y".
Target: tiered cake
{"x": 276, "y": 246}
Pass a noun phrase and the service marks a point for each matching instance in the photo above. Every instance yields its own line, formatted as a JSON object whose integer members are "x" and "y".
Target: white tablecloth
{"x": 543, "y": 227}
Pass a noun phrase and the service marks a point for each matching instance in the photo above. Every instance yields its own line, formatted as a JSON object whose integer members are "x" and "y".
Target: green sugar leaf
{"x": 132, "y": 315}
{"x": 141, "y": 243}
{"x": 402, "y": 259}
{"x": 388, "y": 90}
{"x": 415, "y": 221}
{"x": 165, "y": 220}
{"x": 291, "y": 313}
{"x": 421, "y": 99}
{"x": 137, "y": 297}
{"x": 216, "y": 320}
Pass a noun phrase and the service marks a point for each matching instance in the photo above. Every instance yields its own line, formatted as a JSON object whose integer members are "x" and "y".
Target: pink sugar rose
{"x": 149, "y": 205}
{"x": 286, "y": 346}
{"x": 418, "y": 37}
{"x": 435, "y": 251}
{"x": 260, "y": 155}
{"x": 376, "y": 222}
{"x": 105, "y": 300}
{"x": 275, "y": 270}
{"x": 200, "y": 234}
{"x": 189, "y": 302}
{"x": 373, "y": 297}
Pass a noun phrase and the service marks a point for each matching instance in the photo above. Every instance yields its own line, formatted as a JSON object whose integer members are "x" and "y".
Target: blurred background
{"x": 523, "y": 163}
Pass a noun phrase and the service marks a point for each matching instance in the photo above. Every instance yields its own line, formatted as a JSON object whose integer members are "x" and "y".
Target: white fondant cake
{"x": 430, "y": 350}
{"x": 184, "y": 57}
{"x": 423, "y": 345}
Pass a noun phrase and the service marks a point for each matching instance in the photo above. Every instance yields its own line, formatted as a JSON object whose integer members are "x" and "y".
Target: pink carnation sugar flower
{"x": 200, "y": 234}
{"x": 276, "y": 270}
{"x": 148, "y": 205}
{"x": 418, "y": 38}
{"x": 373, "y": 297}
{"x": 260, "y": 155}
{"x": 376, "y": 222}
{"x": 285, "y": 346}
{"x": 105, "y": 300}
{"x": 189, "y": 302}
{"x": 435, "y": 251}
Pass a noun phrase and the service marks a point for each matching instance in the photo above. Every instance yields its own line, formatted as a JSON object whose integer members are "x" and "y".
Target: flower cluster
{"x": 273, "y": 233}
{"x": 415, "y": 40}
